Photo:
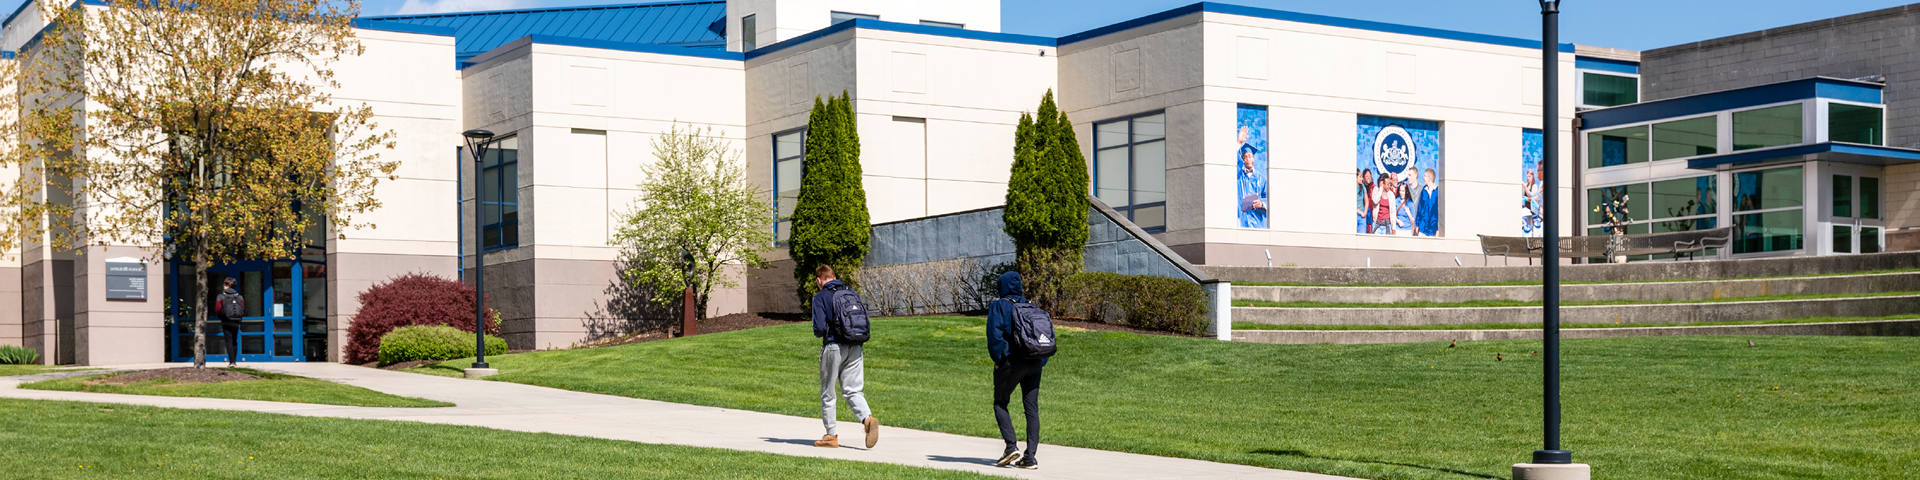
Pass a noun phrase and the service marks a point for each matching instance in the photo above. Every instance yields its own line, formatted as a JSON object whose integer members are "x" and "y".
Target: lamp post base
{"x": 488, "y": 372}
{"x": 1561, "y": 471}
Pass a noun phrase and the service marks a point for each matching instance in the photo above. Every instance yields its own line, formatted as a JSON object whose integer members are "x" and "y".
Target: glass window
{"x": 1684, "y": 197}
{"x": 1617, "y": 147}
{"x": 1869, "y": 240}
{"x": 1608, "y": 90}
{"x": 1685, "y": 138}
{"x": 1766, "y": 127}
{"x": 500, "y": 195}
{"x": 1854, "y": 124}
{"x": 1767, "y": 232}
{"x": 845, "y": 16}
{"x": 749, "y": 33}
{"x": 1767, "y": 189}
{"x": 1842, "y": 239}
{"x": 1869, "y": 197}
{"x": 1130, "y": 168}
{"x": 1636, "y": 196}
{"x": 1842, "y": 196}
{"x": 932, "y": 23}
{"x": 789, "y": 152}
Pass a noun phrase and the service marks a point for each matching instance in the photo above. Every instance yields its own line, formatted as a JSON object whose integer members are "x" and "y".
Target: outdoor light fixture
{"x": 477, "y": 146}
{"x": 1551, "y": 461}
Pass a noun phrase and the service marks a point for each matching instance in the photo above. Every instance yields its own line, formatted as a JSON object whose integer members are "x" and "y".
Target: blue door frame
{"x": 274, "y": 328}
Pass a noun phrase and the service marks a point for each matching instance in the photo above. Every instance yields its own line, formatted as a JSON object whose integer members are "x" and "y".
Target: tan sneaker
{"x": 873, "y": 430}
{"x": 829, "y": 441}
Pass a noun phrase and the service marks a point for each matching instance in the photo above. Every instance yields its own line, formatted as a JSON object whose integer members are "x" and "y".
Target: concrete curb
{"x": 1662, "y": 291}
{"x": 1887, "y": 328}
{"x": 1627, "y": 272}
{"x": 1676, "y": 313}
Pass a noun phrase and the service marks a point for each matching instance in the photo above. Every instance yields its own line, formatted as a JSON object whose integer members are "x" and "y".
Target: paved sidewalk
{"x": 511, "y": 406}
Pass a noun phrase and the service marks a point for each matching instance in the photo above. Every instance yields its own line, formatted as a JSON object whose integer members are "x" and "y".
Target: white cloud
{"x": 421, "y": 7}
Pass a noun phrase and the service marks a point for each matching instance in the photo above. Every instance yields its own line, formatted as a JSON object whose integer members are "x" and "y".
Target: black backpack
{"x": 849, "y": 319}
{"x": 1032, "y": 336}
{"x": 232, "y": 306}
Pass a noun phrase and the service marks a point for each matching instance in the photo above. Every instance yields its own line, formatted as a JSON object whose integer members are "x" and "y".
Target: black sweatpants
{"x": 1026, "y": 375}
{"x": 231, "y": 332}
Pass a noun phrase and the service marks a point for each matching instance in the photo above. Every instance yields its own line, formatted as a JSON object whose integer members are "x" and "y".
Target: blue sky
{"x": 1630, "y": 24}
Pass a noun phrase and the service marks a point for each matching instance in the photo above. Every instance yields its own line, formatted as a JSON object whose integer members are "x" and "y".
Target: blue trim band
{"x": 1817, "y": 87}
{"x": 1304, "y": 18}
{"x": 1841, "y": 152}
{"x": 28, "y": 3}
{"x": 1606, "y": 65}
{"x": 403, "y": 27}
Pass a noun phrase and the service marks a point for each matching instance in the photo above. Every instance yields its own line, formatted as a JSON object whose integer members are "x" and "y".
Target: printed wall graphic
{"x": 1397, "y": 177}
{"x": 1532, "y": 180}
{"x": 1250, "y": 166}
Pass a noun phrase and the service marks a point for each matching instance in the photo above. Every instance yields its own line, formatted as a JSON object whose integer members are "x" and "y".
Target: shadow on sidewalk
{"x": 1301, "y": 454}
{"x": 975, "y": 461}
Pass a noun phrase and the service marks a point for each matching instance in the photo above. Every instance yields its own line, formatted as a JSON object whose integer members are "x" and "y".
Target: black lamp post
{"x": 477, "y": 146}
{"x": 1552, "y": 454}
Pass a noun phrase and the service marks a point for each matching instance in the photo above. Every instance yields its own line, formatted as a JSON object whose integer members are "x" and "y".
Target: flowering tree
{"x": 696, "y": 214}
{"x": 199, "y": 129}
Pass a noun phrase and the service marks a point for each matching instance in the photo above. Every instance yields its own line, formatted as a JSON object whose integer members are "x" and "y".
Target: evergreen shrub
{"x": 1047, "y": 205}
{"x": 411, "y": 299}
{"x": 432, "y": 342}
{"x": 1140, "y": 301}
{"x": 830, "y": 221}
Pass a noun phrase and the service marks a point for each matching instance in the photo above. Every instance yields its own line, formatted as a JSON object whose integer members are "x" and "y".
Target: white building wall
{"x": 780, "y": 20}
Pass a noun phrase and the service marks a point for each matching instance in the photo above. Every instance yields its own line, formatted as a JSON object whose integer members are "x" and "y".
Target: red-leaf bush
{"x": 411, "y": 299}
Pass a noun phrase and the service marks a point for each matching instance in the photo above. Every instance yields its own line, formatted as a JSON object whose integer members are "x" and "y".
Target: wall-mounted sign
{"x": 126, "y": 279}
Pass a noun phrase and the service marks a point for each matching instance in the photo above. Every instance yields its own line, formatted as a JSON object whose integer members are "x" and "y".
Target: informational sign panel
{"x": 126, "y": 279}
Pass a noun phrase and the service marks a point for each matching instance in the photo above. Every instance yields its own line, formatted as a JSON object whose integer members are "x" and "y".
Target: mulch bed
{"x": 178, "y": 375}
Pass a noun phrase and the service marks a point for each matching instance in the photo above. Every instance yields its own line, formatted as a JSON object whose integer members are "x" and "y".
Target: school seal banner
{"x": 1397, "y": 177}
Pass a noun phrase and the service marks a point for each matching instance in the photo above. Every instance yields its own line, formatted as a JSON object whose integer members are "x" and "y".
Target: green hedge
{"x": 1139, "y": 301}
{"x": 12, "y": 355}
{"x": 432, "y": 342}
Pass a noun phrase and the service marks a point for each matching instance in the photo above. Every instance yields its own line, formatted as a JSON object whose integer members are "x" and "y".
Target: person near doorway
{"x": 1012, "y": 369}
{"x": 840, "y": 320}
{"x": 230, "y": 307}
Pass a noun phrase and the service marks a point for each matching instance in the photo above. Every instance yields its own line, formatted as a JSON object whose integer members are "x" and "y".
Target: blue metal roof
{"x": 685, "y": 24}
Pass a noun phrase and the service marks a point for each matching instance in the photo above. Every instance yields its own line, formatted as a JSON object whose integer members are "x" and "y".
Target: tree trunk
{"x": 200, "y": 309}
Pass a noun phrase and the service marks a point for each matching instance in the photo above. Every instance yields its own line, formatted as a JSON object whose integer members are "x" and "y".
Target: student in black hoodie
{"x": 1009, "y": 373}
{"x": 229, "y": 325}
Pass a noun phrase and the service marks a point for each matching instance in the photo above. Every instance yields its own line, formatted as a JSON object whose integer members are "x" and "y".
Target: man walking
{"x": 840, "y": 320}
{"x": 1015, "y": 369}
{"x": 230, "y": 307}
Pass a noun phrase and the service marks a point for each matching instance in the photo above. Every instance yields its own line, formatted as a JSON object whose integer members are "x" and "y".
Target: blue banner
{"x": 1397, "y": 177}
{"x": 1250, "y": 166}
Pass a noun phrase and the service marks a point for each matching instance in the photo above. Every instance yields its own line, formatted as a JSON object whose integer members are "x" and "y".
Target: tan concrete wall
{"x": 117, "y": 332}
{"x": 350, "y": 274}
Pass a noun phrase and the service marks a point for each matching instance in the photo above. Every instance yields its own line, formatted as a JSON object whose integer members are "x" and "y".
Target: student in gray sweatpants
{"x": 838, "y": 363}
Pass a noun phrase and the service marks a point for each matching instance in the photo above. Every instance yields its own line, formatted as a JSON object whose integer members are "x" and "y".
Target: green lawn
{"x": 1531, "y": 326}
{"x": 273, "y": 388}
{"x": 91, "y": 440}
{"x": 1537, "y": 282}
{"x": 11, "y": 370}
{"x": 1524, "y": 303}
{"x": 1636, "y": 408}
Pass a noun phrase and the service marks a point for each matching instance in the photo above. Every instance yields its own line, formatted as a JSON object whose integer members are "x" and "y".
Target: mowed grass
{"x": 1535, "y": 326}
{"x": 272, "y": 387}
{"x": 1526, "y": 303}
{"x": 12, "y": 370}
{"x": 1636, "y": 408}
{"x": 92, "y": 440}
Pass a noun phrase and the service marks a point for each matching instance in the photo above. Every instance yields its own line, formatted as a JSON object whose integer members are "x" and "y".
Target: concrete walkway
{"x": 526, "y": 408}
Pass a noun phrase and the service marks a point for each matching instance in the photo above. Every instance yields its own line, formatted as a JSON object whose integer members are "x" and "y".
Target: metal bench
{"x": 1677, "y": 243}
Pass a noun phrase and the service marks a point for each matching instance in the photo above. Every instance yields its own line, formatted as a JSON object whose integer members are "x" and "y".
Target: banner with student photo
{"x": 1250, "y": 166}
{"x": 1532, "y": 181}
{"x": 1397, "y": 176}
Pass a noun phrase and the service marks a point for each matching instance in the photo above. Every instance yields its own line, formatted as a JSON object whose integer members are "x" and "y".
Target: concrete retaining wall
{"x": 1628, "y": 272}
{"x": 1663, "y": 291}
{"x": 1676, "y": 313}
{"x": 1901, "y": 328}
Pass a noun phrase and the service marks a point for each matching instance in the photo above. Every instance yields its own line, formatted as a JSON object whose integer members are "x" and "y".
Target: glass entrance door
{"x": 273, "y": 328}
{"x": 1857, "y": 227}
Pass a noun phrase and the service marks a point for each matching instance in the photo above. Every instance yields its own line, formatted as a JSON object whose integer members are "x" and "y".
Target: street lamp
{"x": 1551, "y": 461}
{"x": 477, "y": 146}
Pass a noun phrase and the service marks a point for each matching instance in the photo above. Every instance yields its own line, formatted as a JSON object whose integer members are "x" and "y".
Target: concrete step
{"x": 1903, "y": 328}
{"x": 1627, "y": 272}
{"x": 1662, "y": 291}
{"x": 1661, "y": 313}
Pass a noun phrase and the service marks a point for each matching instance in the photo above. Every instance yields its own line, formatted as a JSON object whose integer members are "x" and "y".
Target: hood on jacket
{"x": 1010, "y": 284}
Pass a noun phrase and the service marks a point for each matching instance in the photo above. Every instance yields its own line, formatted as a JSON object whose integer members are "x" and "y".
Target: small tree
{"x": 1047, "y": 205}
{"x": 696, "y": 214}
{"x": 830, "y": 221}
{"x": 202, "y": 130}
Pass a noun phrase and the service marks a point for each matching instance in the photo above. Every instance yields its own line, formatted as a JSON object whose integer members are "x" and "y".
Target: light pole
{"x": 1551, "y": 461}
{"x": 477, "y": 146}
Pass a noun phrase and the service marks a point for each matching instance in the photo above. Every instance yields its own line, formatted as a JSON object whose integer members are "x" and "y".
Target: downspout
{"x": 1573, "y": 207}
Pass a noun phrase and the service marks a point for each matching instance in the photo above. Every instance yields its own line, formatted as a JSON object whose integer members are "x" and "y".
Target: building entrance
{"x": 285, "y": 318}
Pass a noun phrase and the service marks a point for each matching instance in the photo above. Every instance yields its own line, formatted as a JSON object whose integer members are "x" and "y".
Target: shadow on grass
{"x": 1301, "y": 454}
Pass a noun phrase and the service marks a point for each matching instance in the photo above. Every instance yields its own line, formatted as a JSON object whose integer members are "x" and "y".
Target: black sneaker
{"x": 1028, "y": 463}
{"x": 1008, "y": 459}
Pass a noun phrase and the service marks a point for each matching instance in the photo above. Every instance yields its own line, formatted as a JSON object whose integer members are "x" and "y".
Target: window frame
{"x": 850, "y": 16}
{"x": 937, "y": 23}
{"x": 1130, "y": 145}
{"x": 480, "y": 202}
{"x": 802, "y": 158}
{"x": 749, "y": 32}
{"x": 1823, "y": 125}
{"x": 1807, "y": 229}
{"x": 1580, "y": 85}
